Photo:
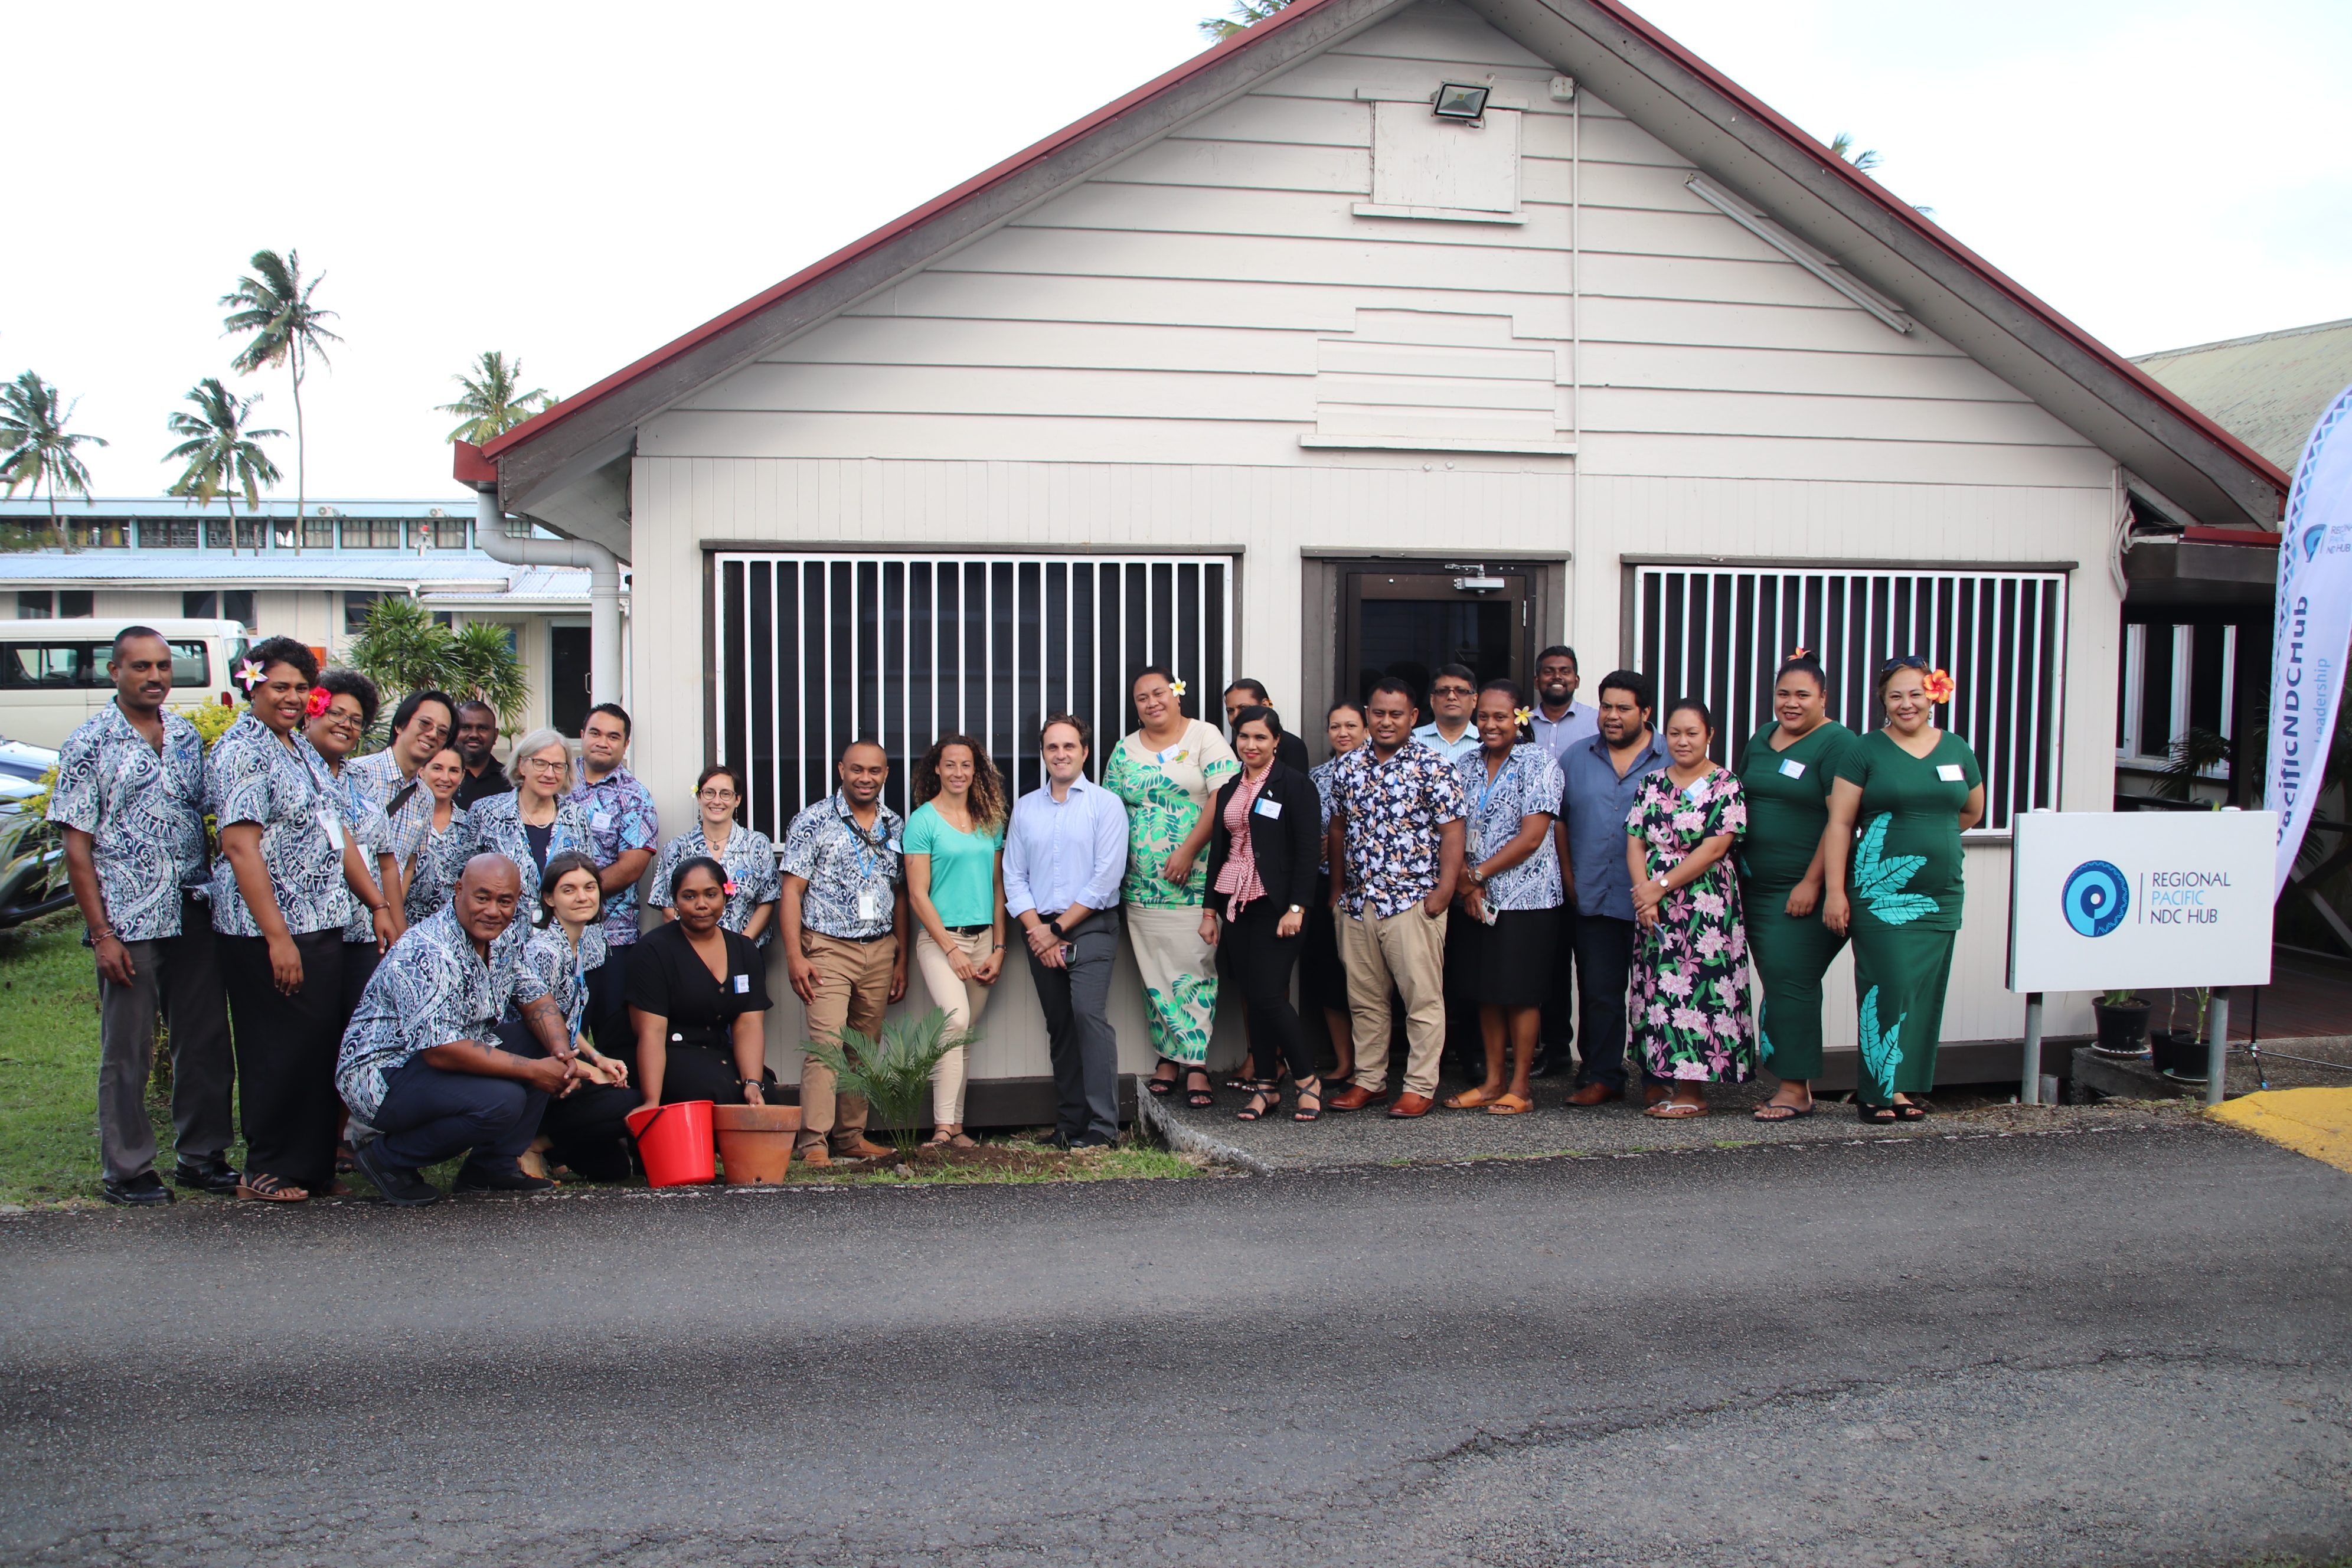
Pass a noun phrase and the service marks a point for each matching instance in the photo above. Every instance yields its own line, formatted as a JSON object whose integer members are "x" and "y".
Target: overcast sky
{"x": 579, "y": 182}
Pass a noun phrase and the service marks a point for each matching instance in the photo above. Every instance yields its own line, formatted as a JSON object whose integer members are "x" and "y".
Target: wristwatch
{"x": 1296, "y": 910}
{"x": 1055, "y": 927}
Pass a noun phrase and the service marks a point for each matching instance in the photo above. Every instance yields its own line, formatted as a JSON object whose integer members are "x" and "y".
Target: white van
{"x": 53, "y": 673}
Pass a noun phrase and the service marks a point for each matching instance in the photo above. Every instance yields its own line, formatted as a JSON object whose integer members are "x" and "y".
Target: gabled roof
{"x": 1728, "y": 135}
{"x": 2268, "y": 389}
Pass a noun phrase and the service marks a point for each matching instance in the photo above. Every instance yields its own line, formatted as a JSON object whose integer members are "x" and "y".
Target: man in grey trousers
{"x": 1064, "y": 853}
{"x": 130, "y": 799}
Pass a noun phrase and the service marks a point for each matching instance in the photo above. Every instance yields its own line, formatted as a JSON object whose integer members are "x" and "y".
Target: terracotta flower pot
{"x": 755, "y": 1142}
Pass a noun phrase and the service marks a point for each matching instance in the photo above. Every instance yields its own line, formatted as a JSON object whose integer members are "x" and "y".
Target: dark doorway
{"x": 567, "y": 687}
{"x": 1407, "y": 621}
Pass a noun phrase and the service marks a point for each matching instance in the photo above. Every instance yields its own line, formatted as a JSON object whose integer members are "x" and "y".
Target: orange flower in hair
{"x": 1939, "y": 686}
{"x": 1800, "y": 651}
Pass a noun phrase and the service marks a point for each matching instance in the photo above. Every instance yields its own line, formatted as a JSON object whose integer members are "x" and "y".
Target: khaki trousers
{"x": 853, "y": 989}
{"x": 962, "y": 1001}
{"x": 1406, "y": 950}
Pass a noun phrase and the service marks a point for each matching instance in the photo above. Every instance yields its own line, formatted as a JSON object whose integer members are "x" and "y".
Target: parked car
{"x": 53, "y": 673}
{"x": 32, "y": 857}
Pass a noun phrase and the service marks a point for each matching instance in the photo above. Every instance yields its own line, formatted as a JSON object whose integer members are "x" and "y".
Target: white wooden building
{"x": 1267, "y": 369}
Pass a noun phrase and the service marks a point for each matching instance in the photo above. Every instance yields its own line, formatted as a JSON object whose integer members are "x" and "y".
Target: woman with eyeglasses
{"x": 749, "y": 856}
{"x": 535, "y": 822}
{"x": 1788, "y": 771}
{"x": 342, "y": 706}
{"x": 1911, "y": 790}
{"x": 289, "y": 871}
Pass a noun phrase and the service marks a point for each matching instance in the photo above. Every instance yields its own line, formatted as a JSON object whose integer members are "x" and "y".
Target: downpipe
{"x": 603, "y": 586}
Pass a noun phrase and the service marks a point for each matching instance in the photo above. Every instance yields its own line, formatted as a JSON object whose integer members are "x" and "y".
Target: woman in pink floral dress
{"x": 1689, "y": 1012}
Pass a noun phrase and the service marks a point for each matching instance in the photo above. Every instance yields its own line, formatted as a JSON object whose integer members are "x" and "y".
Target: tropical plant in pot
{"x": 2123, "y": 1023}
{"x": 2180, "y": 1053}
{"x": 892, "y": 1074}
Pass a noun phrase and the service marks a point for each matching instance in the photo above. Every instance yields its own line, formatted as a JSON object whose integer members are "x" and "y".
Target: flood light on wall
{"x": 1457, "y": 100}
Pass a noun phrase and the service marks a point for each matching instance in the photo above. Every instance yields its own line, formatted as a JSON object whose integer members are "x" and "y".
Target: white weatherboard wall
{"x": 1135, "y": 363}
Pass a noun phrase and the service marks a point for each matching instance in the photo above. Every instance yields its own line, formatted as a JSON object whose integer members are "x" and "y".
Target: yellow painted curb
{"x": 2314, "y": 1122}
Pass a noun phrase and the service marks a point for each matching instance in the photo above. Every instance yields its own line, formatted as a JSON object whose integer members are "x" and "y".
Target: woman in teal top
{"x": 1787, "y": 772}
{"x": 1912, "y": 789}
{"x": 955, "y": 882}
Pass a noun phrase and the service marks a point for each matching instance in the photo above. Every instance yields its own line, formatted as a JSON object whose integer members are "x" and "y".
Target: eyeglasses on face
{"x": 716, "y": 794}
{"x": 1450, "y": 691}
{"x": 541, "y": 765}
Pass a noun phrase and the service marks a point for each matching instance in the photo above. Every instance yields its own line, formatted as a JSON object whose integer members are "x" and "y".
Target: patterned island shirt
{"x": 563, "y": 970}
{"x": 621, "y": 817}
{"x": 852, "y": 872}
{"x": 253, "y": 777}
{"x": 1394, "y": 809}
{"x": 751, "y": 862}
{"x": 1528, "y": 785}
{"x": 497, "y": 828}
{"x": 145, "y": 812}
{"x": 432, "y": 989}
{"x": 434, "y": 859}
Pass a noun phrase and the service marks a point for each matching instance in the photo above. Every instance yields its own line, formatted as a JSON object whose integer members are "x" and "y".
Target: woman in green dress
{"x": 1789, "y": 770}
{"x": 1165, "y": 772}
{"x": 1913, "y": 790}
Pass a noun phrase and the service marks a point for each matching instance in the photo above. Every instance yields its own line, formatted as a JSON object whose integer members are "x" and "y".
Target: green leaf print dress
{"x": 1787, "y": 810}
{"x": 1905, "y": 892}
{"x": 1165, "y": 792}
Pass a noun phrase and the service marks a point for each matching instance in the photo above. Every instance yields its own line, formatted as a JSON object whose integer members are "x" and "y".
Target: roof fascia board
{"x": 1741, "y": 144}
{"x": 539, "y": 454}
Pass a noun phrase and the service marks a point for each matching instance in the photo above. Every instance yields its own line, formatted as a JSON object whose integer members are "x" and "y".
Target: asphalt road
{"x": 2113, "y": 1347}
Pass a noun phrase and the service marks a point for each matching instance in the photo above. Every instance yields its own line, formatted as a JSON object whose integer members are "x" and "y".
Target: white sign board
{"x": 2101, "y": 900}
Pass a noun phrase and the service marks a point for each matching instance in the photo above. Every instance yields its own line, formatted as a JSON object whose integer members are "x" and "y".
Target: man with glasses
{"x": 1064, "y": 855}
{"x": 420, "y": 728}
{"x": 625, "y": 831}
{"x": 1452, "y": 695}
{"x": 844, "y": 905}
{"x": 477, "y": 738}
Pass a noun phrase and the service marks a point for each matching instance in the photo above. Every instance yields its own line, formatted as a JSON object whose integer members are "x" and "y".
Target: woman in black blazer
{"x": 1263, "y": 850}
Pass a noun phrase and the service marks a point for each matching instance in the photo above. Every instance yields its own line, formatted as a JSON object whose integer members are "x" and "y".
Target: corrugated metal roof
{"x": 437, "y": 576}
{"x": 2266, "y": 390}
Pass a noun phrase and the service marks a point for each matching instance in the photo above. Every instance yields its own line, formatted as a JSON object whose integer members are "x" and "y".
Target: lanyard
{"x": 579, "y": 994}
{"x": 868, "y": 859}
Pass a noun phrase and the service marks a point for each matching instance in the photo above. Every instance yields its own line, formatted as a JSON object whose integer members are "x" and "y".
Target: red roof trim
{"x": 2253, "y": 538}
{"x": 1628, "y": 20}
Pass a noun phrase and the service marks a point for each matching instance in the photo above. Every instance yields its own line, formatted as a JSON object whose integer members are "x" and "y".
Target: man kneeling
{"x": 420, "y": 1063}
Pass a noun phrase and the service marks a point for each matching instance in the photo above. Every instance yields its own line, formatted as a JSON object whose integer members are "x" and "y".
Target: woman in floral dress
{"x": 1691, "y": 1025}
{"x": 1165, "y": 772}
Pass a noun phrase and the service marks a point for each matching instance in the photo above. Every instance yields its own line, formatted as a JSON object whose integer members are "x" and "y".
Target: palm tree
{"x": 37, "y": 446}
{"x": 274, "y": 306}
{"x": 491, "y": 407}
{"x": 1245, "y": 14}
{"x": 223, "y": 456}
{"x": 1841, "y": 146}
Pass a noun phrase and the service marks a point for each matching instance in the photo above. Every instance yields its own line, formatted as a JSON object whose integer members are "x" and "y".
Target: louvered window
{"x": 1720, "y": 633}
{"x": 815, "y": 651}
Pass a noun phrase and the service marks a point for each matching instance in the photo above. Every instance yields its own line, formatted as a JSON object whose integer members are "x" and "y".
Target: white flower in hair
{"x": 1177, "y": 687}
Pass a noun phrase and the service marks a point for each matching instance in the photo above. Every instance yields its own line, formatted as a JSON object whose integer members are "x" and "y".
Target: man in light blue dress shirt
{"x": 1452, "y": 692}
{"x": 1559, "y": 721}
{"x": 1065, "y": 852}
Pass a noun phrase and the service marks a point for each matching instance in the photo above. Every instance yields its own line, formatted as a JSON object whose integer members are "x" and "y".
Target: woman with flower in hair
{"x": 1788, "y": 772}
{"x": 1507, "y": 938}
{"x": 289, "y": 874}
{"x": 1165, "y": 772}
{"x": 343, "y": 707}
{"x": 1911, "y": 789}
{"x": 1689, "y": 1005}
{"x": 749, "y": 856}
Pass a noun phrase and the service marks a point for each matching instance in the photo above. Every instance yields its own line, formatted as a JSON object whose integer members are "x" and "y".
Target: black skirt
{"x": 1511, "y": 964}
{"x": 1322, "y": 977}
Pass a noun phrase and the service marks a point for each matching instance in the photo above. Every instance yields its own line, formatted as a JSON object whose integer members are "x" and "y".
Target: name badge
{"x": 1949, "y": 772}
{"x": 742, "y": 985}
{"x": 601, "y": 821}
{"x": 1792, "y": 769}
{"x": 870, "y": 905}
{"x": 1694, "y": 790}
{"x": 333, "y": 827}
{"x": 892, "y": 846}
{"x": 1268, "y": 807}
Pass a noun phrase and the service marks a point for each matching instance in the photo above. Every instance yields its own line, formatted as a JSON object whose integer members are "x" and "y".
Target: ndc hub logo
{"x": 2095, "y": 898}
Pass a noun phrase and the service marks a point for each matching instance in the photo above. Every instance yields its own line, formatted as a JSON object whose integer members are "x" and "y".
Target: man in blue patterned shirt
{"x": 842, "y": 907}
{"x": 130, "y": 798}
{"x": 625, "y": 832}
{"x": 1395, "y": 846}
{"x": 421, "y": 1063}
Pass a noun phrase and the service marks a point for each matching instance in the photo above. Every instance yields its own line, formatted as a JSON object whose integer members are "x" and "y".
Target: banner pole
{"x": 2216, "y": 1047}
{"x": 2029, "y": 1081}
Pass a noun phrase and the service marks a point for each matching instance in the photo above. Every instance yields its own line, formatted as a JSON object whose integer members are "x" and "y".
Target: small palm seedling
{"x": 892, "y": 1074}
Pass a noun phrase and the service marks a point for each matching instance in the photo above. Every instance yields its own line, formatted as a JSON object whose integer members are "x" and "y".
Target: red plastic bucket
{"x": 675, "y": 1142}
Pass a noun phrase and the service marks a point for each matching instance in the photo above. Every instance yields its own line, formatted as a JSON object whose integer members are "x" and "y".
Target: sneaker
{"x": 399, "y": 1184}
{"x": 145, "y": 1190}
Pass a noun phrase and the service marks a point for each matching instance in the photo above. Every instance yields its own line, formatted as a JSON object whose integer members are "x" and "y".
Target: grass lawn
{"x": 48, "y": 1098}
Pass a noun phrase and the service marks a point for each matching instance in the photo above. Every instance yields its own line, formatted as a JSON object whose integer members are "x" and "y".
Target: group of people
{"x": 415, "y": 954}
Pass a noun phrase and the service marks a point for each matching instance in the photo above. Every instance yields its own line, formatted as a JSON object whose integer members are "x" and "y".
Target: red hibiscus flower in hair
{"x": 1939, "y": 686}
{"x": 319, "y": 697}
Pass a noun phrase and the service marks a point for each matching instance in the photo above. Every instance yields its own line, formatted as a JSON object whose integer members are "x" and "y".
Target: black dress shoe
{"x": 145, "y": 1190}
{"x": 507, "y": 1177}
{"x": 214, "y": 1175}
{"x": 398, "y": 1184}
